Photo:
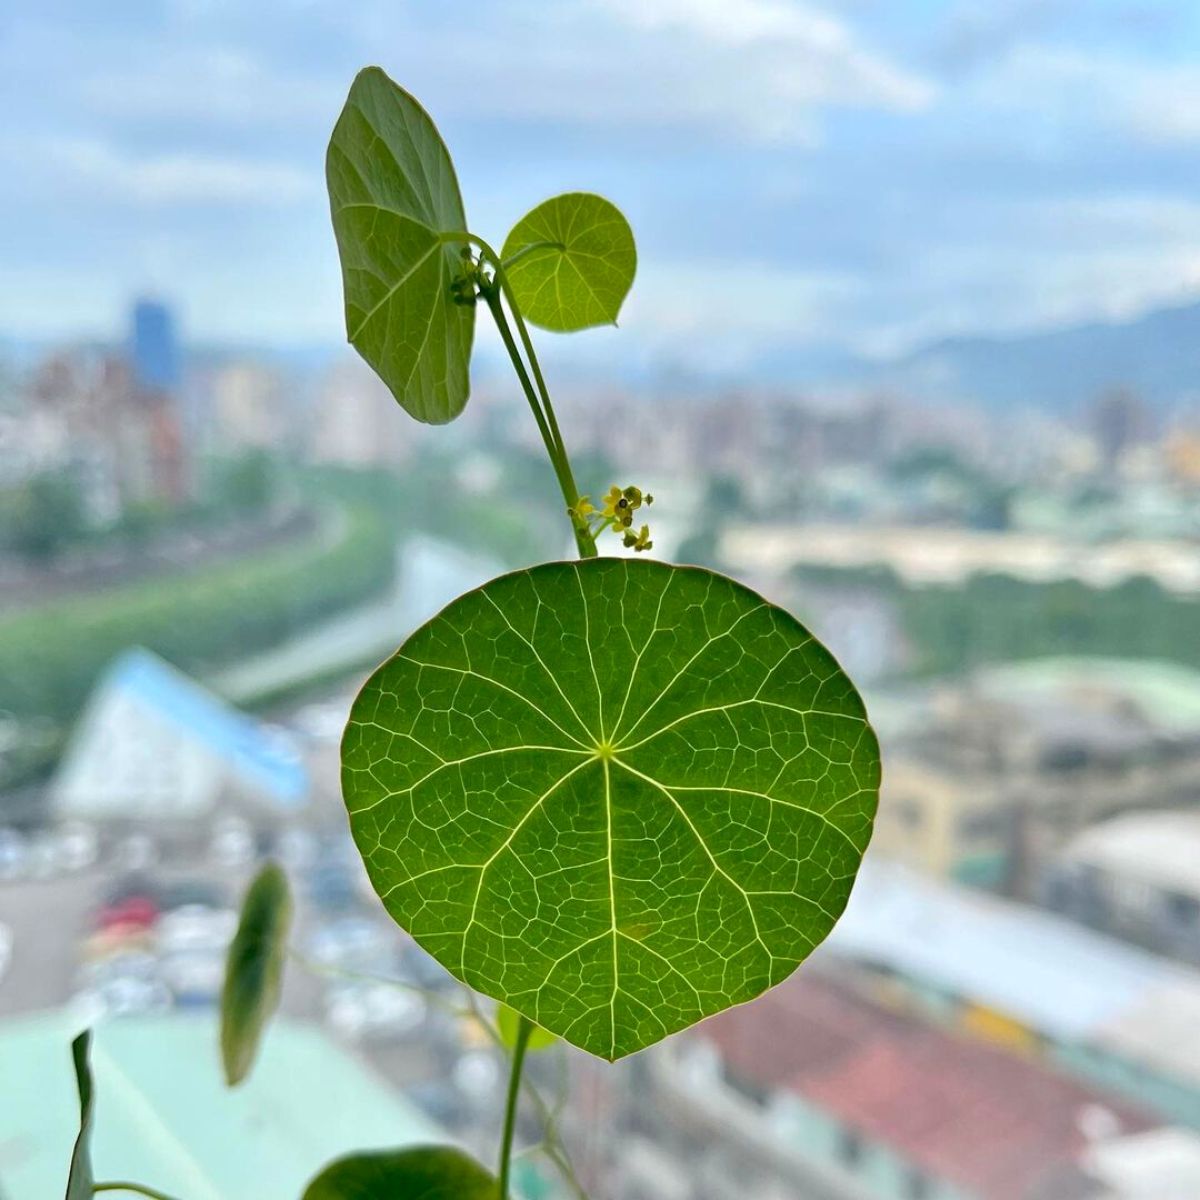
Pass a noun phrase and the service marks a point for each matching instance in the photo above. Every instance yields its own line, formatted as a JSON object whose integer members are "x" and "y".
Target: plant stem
{"x": 558, "y": 456}
{"x": 123, "y": 1185}
{"x": 524, "y": 1029}
{"x": 539, "y": 401}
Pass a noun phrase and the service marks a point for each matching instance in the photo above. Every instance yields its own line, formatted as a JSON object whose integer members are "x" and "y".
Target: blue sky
{"x": 860, "y": 175}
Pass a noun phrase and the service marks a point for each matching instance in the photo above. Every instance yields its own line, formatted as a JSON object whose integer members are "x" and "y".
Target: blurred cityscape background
{"x": 914, "y": 351}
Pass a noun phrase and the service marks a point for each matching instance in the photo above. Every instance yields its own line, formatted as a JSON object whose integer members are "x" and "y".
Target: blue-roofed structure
{"x": 153, "y": 743}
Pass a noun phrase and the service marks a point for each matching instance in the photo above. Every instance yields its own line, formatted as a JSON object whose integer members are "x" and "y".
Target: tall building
{"x": 155, "y": 367}
{"x": 154, "y": 350}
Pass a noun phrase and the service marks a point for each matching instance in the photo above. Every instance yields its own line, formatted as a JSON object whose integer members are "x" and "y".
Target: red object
{"x": 134, "y": 912}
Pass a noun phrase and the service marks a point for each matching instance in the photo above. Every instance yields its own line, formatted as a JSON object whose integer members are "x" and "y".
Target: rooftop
{"x": 1161, "y": 849}
{"x": 165, "y": 1118}
{"x": 962, "y": 1111}
{"x": 155, "y": 742}
{"x": 1055, "y": 977}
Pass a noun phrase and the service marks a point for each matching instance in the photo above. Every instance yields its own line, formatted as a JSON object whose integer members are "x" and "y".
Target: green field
{"x": 51, "y": 655}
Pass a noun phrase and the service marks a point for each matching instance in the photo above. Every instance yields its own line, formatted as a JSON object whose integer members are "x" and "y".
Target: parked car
{"x": 137, "y": 852}
{"x": 331, "y": 887}
{"x": 195, "y": 976}
{"x": 123, "y": 996}
{"x": 194, "y": 891}
{"x": 14, "y": 854}
{"x": 232, "y": 843}
{"x": 196, "y": 927}
{"x": 354, "y": 944}
{"x": 123, "y": 983}
{"x": 134, "y": 912}
{"x": 297, "y": 849}
{"x": 76, "y": 846}
{"x": 362, "y": 1011}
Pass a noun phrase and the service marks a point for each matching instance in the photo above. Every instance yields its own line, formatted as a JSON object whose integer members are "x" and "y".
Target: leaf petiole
{"x": 524, "y": 1030}
{"x": 530, "y": 248}
{"x": 495, "y": 292}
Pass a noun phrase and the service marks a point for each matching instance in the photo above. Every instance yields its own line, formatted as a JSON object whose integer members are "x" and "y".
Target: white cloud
{"x": 1155, "y": 102}
{"x": 174, "y": 178}
{"x": 812, "y": 56}
{"x": 751, "y": 69}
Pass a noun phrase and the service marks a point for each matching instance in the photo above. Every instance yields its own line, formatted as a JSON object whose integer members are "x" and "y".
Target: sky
{"x": 846, "y": 176}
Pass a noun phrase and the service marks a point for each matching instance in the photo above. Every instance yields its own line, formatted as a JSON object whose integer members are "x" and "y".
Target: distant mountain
{"x": 1156, "y": 355}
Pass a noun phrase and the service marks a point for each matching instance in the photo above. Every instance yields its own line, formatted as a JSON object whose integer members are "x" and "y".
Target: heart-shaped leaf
{"x": 392, "y": 192}
{"x": 571, "y": 262}
{"x": 507, "y": 1022}
{"x": 615, "y": 794}
{"x": 254, "y": 970}
{"x": 421, "y": 1173}
{"x": 79, "y": 1180}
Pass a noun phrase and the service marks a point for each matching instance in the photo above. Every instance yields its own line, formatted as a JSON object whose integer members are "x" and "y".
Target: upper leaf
{"x": 420, "y": 1173}
{"x": 392, "y": 191}
{"x": 576, "y": 265}
{"x": 79, "y": 1180}
{"x": 617, "y": 795}
{"x": 254, "y": 970}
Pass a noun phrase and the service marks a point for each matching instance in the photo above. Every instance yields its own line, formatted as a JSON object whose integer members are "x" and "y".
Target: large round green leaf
{"x": 572, "y": 262}
{"x": 615, "y": 794}
{"x": 254, "y": 970}
{"x": 392, "y": 191}
{"x": 420, "y": 1173}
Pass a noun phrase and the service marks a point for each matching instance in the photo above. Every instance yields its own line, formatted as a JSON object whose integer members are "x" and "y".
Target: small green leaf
{"x": 420, "y": 1173}
{"x": 573, "y": 262}
{"x": 392, "y": 192}
{"x": 80, "y": 1181}
{"x": 254, "y": 970}
{"x": 617, "y": 795}
{"x": 507, "y": 1020}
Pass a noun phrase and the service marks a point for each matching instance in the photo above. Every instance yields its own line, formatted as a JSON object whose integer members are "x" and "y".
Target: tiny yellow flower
{"x": 639, "y": 541}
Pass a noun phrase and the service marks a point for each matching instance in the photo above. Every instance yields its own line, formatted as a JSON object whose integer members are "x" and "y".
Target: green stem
{"x": 524, "y": 1029}
{"x": 558, "y": 457}
{"x": 123, "y": 1185}
{"x": 539, "y": 401}
{"x": 539, "y": 379}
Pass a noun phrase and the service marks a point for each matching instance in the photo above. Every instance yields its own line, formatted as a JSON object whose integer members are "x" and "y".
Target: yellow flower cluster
{"x": 616, "y": 514}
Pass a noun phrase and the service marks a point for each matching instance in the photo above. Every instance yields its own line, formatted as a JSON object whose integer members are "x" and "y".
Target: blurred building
{"x": 154, "y": 751}
{"x": 1120, "y": 419}
{"x": 114, "y": 419}
{"x": 247, "y": 407}
{"x": 1108, "y": 1013}
{"x": 154, "y": 349}
{"x": 1136, "y": 876}
{"x": 900, "y": 1107}
{"x": 356, "y": 421}
{"x": 989, "y": 776}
